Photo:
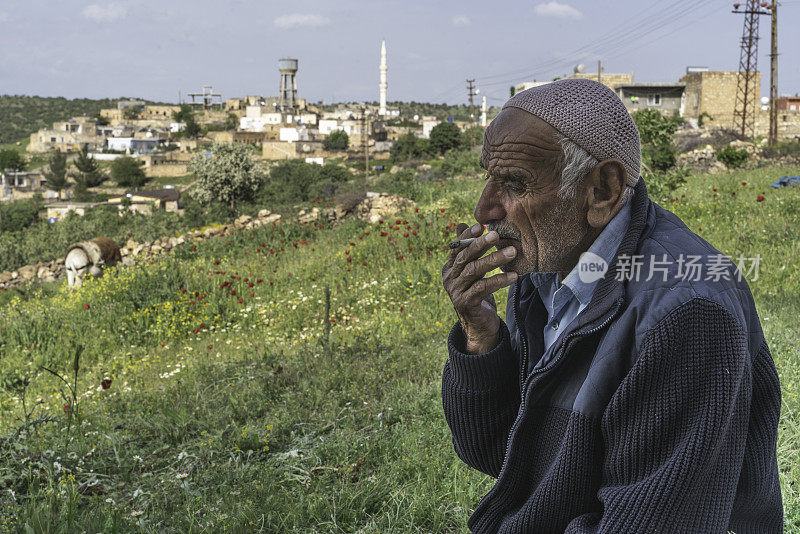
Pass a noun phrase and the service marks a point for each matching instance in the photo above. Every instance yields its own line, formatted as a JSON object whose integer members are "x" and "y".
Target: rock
{"x": 304, "y": 217}
{"x": 156, "y": 249}
{"x": 208, "y": 232}
{"x": 272, "y": 218}
{"x": 50, "y": 278}
{"x": 372, "y": 208}
{"x": 14, "y": 275}
{"x": 264, "y": 213}
{"x": 59, "y": 261}
{"x": 394, "y": 170}
{"x": 124, "y": 251}
{"x": 180, "y": 240}
{"x": 138, "y": 250}
{"x": 241, "y": 221}
{"x": 5, "y": 276}
{"x": 43, "y": 272}
{"x": 131, "y": 244}
{"x": 28, "y": 272}
{"x": 173, "y": 242}
{"x": 128, "y": 261}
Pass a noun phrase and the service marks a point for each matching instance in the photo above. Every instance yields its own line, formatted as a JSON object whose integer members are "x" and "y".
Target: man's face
{"x": 521, "y": 155}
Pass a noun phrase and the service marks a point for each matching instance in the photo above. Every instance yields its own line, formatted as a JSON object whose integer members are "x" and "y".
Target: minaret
{"x": 483, "y": 112}
{"x": 383, "y": 85}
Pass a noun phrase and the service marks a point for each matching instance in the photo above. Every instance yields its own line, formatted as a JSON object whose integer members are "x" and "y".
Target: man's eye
{"x": 515, "y": 187}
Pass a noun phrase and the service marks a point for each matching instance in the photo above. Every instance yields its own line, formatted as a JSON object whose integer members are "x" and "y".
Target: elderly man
{"x": 615, "y": 397}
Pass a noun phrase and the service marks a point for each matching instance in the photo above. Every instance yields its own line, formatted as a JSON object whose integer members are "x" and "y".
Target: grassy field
{"x": 213, "y": 393}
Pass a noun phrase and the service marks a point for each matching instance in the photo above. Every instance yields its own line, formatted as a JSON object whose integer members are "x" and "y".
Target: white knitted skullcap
{"x": 591, "y": 115}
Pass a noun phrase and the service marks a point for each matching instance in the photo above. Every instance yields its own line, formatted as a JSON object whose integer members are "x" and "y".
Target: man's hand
{"x": 471, "y": 293}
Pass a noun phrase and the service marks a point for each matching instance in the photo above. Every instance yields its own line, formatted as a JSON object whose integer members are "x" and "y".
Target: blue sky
{"x": 153, "y": 49}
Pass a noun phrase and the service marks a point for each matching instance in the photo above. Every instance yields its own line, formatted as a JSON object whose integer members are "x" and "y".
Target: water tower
{"x": 288, "y": 93}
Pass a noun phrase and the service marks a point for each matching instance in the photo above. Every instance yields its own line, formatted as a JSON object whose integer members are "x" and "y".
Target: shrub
{"x": 661, "y": 184}
{"x": 409, "y": 146}
{"x": 18, "y": 215}
{"x": 337, "y": 140}
{"x": 655, "y": 133}
{"x": 298, "y": 181}
{"x": 127, "y": 172}
{"x": 460, "y": 162}
{"x": 732, "y": 157}
{"x": 404, "y": 183}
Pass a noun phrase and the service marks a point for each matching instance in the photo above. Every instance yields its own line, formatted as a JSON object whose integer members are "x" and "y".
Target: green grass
{"x": 231, "y": 417}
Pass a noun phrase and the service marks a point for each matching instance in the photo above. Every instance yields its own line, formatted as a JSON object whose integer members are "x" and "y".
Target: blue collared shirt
{"x": 566, "y": 300}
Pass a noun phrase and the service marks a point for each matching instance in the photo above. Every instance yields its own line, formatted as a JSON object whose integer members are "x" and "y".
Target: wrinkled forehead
{"x": 517, "y": 138}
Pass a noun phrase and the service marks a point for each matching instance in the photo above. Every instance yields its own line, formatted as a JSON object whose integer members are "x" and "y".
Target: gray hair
{"x": 576, "y": 163}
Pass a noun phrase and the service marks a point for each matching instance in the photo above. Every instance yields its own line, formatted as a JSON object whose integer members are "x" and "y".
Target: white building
{"x": 292, "y": 135}
{"x": 427, "y": 125}
{"x": 328, "y": 126}
{"x": 133, "y": 145}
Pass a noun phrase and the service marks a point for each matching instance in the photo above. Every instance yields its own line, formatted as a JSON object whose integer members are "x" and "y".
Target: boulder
{"x": 131, "y": 244}
{"x": 5, "y": 276}
{"x": 272, "y": 218}
{"x": 373, "y": 208}
{"x": 263, "y": 213}
{"x": 28, "y": 272}
{"x": 156, "y": 249}
{"x": 43, "y": 272}
{"x": 304, "y": 217}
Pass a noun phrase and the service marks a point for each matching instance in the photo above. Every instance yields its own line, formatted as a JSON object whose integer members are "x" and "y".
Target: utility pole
{"x": 773, "y": 78}
{"x": 599, "y": 70}
{"x": 365, "y": 136}
{"x": 745, "y": 108}
{"x": 472, "y": 93}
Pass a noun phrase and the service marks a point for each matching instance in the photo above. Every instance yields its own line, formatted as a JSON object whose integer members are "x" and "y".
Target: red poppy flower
{"x": 760, "y": 198}
{"x": 210, "y": 347}
{"x": 744, "y": 183}
{"x": 67, "y": 408}
{"x": 241, "y": 300}
{"x": 252, "y": 294}
{"x": 86, "y": 306}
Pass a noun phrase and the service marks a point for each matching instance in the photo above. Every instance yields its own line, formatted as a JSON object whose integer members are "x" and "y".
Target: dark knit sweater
{"x": 655, "y": 411}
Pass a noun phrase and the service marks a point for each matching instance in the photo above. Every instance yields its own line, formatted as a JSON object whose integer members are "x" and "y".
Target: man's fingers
{"x": 484, "y": 287}
{"x": 477, "y": 269}
{"x": 473, "y": 251}
{"x": 463, "y": 231}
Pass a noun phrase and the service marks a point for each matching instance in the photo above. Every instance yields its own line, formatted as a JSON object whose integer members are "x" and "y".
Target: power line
{"x": 663, "y": 18}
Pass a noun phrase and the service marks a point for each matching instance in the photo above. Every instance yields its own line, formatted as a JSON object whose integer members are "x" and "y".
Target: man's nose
{"x": 489, "y": 207}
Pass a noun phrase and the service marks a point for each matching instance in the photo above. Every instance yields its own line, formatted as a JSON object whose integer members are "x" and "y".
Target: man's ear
{"x": 604, "y": 187}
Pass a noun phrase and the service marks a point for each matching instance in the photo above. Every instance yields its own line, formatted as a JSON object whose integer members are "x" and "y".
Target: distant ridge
{"x": 21, "y": 116}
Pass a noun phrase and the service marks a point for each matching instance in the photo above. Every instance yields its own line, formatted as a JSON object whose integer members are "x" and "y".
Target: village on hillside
{"x": 164, "y": 138}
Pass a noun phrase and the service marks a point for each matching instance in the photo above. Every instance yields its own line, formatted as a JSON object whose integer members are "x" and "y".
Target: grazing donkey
{"x": 90, "y": 256}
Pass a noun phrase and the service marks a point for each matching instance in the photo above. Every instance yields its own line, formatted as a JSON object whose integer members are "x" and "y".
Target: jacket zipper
{"x": 526, "y": 383}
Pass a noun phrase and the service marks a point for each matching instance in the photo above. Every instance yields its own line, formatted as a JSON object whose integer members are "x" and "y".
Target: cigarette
{"x": 462, "y": 242}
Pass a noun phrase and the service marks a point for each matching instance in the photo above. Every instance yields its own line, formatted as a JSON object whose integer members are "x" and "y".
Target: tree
{"x": 183, "y": 114}
{"x": 232, "y": 122}
{"x": 227, "y": 173}
{"x": 56, "y": 177}
{"x": 11, "y": 159}
{"x": 127, "y": 172}
{"x": 192, "y": 128}
{"x": 18, "y": 215}
{"x": 472, "y": 137}
{"x": 132, "y": 112}
{"x": 337, "y": 140}
{"x": 445, "y": 136}
{"x": 88, "y": 174}
{"x": 408, "y": 146}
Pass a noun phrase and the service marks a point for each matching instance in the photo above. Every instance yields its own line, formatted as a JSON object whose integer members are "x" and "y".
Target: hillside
{"x": 21, "y": 115}
{"x": 218, "y": 391}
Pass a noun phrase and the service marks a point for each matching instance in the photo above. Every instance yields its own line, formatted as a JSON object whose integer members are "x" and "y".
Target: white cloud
{"x": 559, "y": 11}
{"x": 105, "y": 13}
{"x": 296, "y": 20}
{"x": 461, "y": 20}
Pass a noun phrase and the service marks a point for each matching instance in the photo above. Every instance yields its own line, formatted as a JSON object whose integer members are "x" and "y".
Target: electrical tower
{"x": 746, "y": 106}
{"x": 472, "y": 93}
{"x": 773, "y": 77}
